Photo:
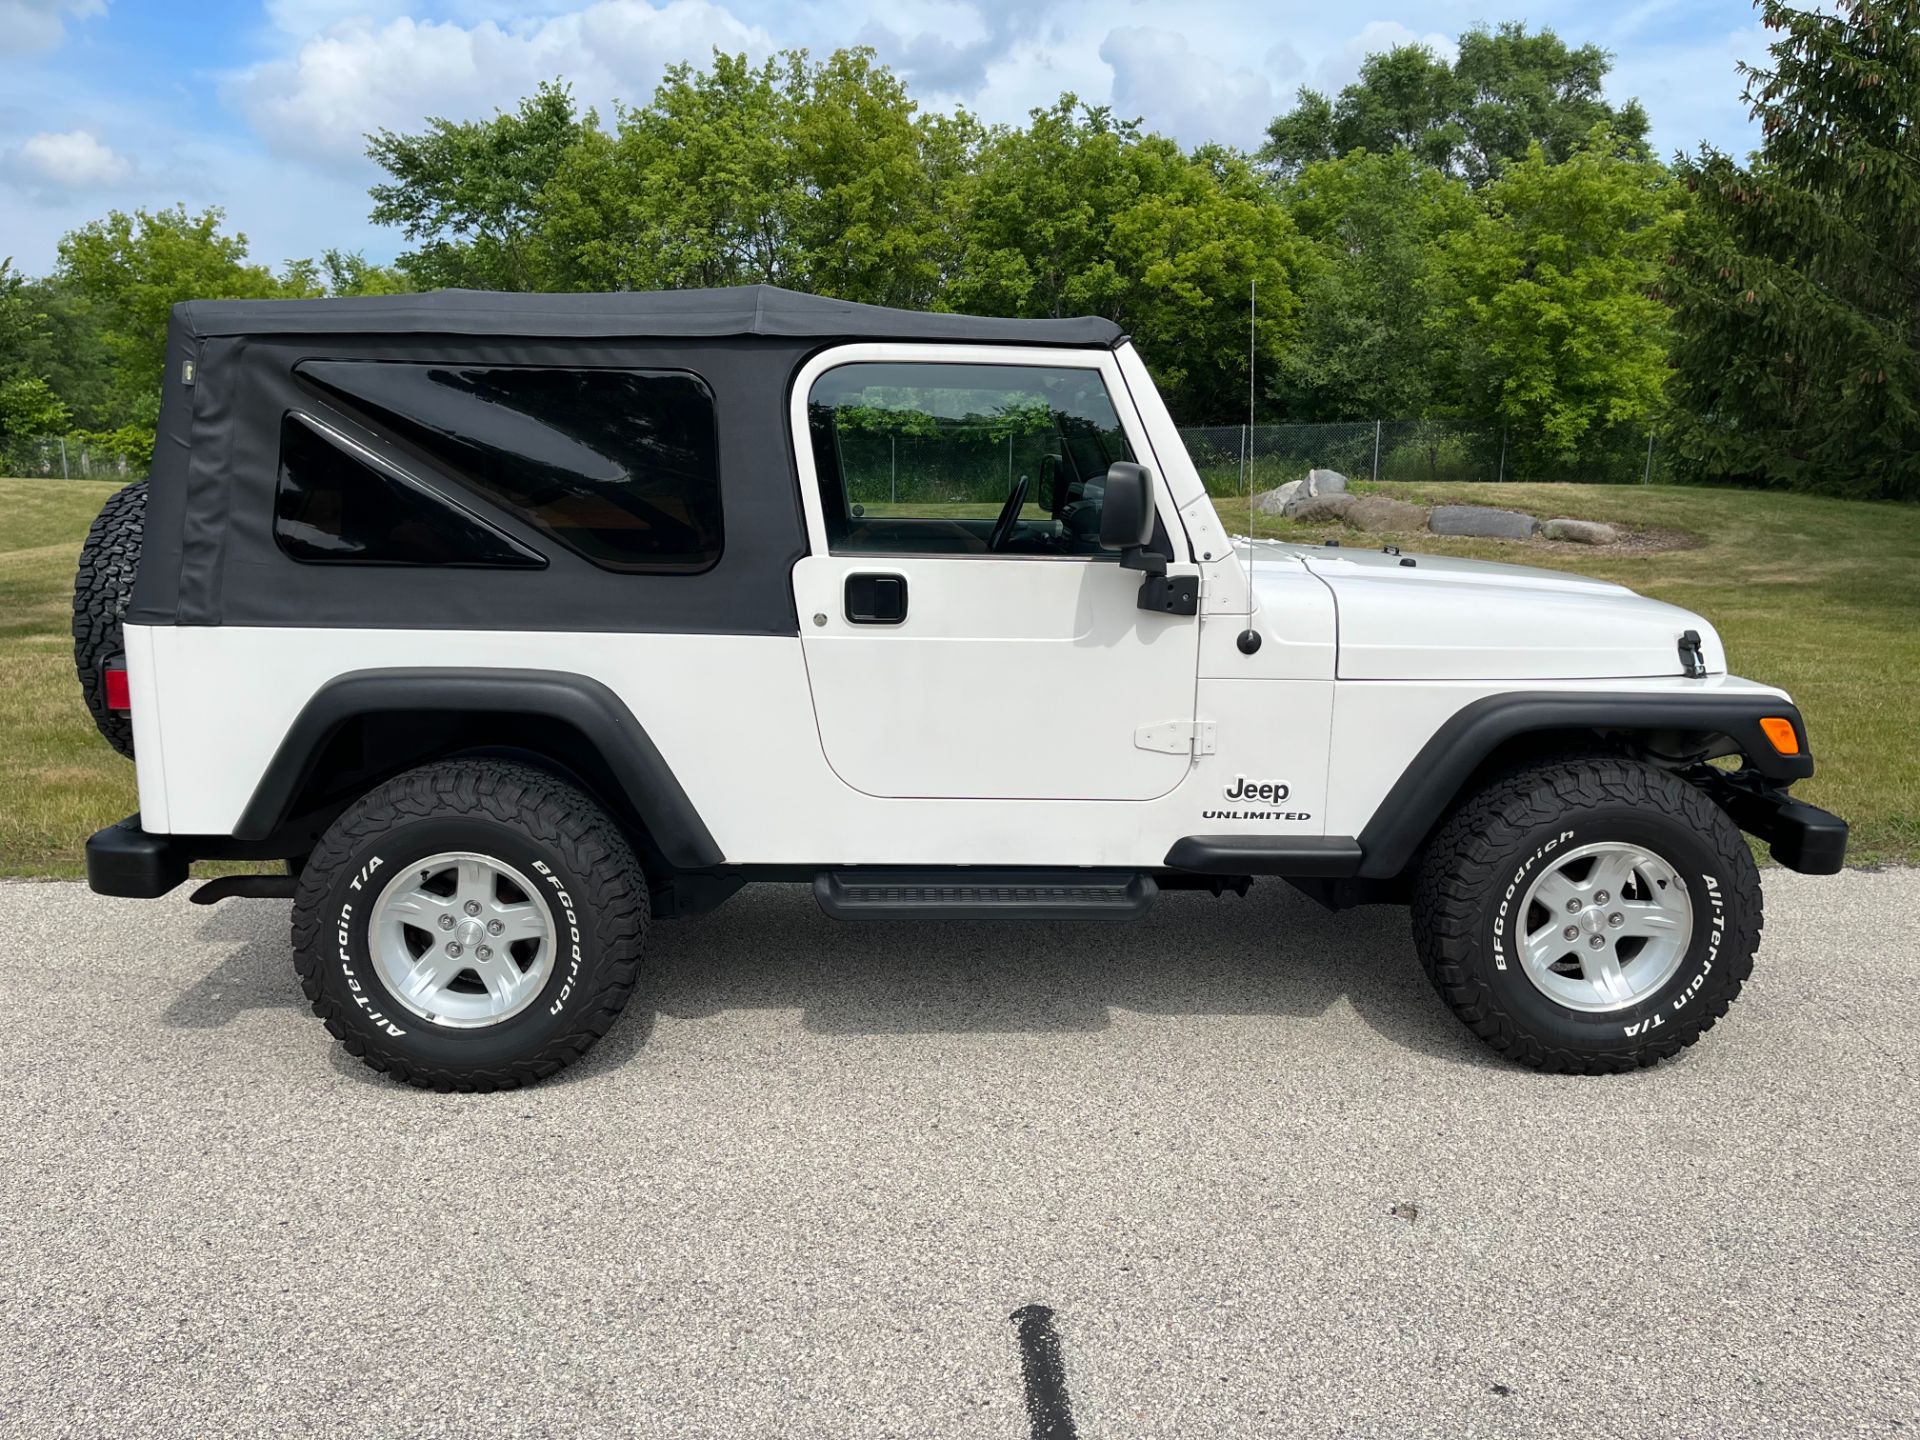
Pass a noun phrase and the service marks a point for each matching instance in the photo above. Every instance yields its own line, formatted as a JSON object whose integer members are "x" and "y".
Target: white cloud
{"x": 359, "y": 75}
{"x": 1185, "y": 93}
{"x": 28, "y": 27}
{"x": 67, "y": 160}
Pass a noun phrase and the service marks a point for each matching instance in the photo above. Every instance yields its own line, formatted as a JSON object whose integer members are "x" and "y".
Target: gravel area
{"x": 1265, "y": 1184}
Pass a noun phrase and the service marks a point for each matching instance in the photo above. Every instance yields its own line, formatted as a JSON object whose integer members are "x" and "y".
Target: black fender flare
{"x": 581, "y": 701}
{"x": 1431, "y": 783}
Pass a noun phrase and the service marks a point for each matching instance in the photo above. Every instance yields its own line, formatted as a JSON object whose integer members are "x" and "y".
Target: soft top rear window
{"x": 619, "y": 466}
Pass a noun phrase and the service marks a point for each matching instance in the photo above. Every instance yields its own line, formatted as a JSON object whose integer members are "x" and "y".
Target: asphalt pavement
{"x": 1234, "y": 1169}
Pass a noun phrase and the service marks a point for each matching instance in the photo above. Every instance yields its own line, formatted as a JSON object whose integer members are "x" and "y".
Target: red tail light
{"x": 119, "y": 697}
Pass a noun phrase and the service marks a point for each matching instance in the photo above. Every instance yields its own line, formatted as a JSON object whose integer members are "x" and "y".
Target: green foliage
{"x": 1372, "y": 225}
{"x": 816, "y": 176}
{"x": 1544, "y": 303}
{"x": 130, "y": 270}
{"x": 1795, "y": 283}
{"x": 1079, "y": 213}
{"x": 471, "y": 191}
{"x": 28, "y": 408}
{"x": 1506, "y": 91}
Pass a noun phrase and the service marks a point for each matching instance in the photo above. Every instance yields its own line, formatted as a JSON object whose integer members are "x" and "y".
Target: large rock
{"x": 1580, "y": 532}
{"x": 1275, "y": 501}
{"x": 1482, "y": 520}
{"x": 1288, "y": 499}
{"x": 1382, "y": 514}
{"x": 1318, "y": 509}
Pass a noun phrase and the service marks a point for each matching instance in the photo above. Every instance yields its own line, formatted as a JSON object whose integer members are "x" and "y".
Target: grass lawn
{"x": 1821, "y": 597}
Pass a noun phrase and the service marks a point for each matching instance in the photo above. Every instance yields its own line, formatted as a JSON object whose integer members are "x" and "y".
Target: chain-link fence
{"x": 1235, "y": 459}
{"x": 70, "y": 457}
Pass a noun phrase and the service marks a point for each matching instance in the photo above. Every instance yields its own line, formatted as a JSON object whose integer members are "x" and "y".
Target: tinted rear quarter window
{"x": 337, "y": 503}
{"x": 619, "y": 466}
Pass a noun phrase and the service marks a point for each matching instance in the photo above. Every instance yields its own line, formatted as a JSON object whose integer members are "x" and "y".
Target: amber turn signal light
{"x": 1780, "y": 733}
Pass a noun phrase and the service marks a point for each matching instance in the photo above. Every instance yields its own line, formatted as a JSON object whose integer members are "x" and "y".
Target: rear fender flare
{"x": 580, "y": 701}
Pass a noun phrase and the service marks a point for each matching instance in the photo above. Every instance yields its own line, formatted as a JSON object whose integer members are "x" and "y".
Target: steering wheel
{"x": 1009, "y": 516}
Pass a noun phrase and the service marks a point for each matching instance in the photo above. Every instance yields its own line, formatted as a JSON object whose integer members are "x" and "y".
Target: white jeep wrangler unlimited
{"x": 512, "y": 622}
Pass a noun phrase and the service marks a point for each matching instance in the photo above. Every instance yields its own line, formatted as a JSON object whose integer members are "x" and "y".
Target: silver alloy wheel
{"x": 1604, "y": 926}
{"x": 463, "y": 940}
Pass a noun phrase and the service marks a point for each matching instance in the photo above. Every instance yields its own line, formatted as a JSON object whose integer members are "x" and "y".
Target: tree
{"x": 1505, "y": 91}
{"x": 1371, "y": 225}
{"x": 818, "y": 176}
{"x": 1795, "y": 284}
{"x": 1545, "y": 304}
{"x": 128, "y": 271}
{"x": 1079, "y": 213}
{"x": 471, "y": 191}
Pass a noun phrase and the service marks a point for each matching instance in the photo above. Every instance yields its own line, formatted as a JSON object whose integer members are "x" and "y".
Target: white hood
{"x": 1446, "y": 619}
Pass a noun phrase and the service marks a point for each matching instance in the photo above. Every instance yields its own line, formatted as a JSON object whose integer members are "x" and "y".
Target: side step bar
{"x": 984, "y": 894}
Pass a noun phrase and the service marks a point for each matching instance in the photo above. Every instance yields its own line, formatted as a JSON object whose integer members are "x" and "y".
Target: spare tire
{"x": 101, "y": 591}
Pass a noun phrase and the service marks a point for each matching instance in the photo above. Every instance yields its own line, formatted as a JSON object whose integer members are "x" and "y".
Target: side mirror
{"x": 1126, "y": 512}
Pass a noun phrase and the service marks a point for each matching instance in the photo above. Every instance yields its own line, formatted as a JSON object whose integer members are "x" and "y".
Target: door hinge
{"x": 1176, "y": 737}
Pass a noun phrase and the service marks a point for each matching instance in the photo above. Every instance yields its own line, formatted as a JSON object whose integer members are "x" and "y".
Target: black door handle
{"x": 876, "y": 599}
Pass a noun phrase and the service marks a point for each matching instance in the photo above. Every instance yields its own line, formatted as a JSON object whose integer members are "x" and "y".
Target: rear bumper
{"x": 1801, "y": 837}
{"x": 125, "y": 860}
{"x": 136, "y": 864}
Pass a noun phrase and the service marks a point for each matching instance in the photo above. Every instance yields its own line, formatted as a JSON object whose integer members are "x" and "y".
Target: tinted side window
{"x": 618, "y": 465}
{"x": 336, "y": 503}
{"x": 926, "y": 458}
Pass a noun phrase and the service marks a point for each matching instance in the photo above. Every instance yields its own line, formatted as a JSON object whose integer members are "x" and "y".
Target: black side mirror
{"x": 1126, "y": 512}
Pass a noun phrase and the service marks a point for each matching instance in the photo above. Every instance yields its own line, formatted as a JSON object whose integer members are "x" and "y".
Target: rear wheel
{"x": 471, "y": 925}
{"x": 1588, "y": 916}
{"x": 101, "y": 589}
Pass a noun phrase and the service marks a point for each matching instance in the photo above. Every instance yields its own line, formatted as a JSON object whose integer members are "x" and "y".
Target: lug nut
{"x": 453, "y": 947}
{"x": 1616, "y": 918}
{"x": 1600, "y": 897}
{"x": 1572, "y": 932}
{"x": 494, "y": 927}
{"x": 446, "y": 922}
{"x": 484, "y": 952}
{"x": 1596, "y": 943}
{"x": 1573, "y": 906}
{"x": 473, "y": 906}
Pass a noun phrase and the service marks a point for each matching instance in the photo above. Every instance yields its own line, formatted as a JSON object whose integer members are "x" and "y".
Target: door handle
{"x": 876, "y": 599}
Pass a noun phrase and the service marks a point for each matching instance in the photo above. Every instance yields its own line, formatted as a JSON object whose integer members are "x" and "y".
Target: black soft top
{"x": 763, "y": 310}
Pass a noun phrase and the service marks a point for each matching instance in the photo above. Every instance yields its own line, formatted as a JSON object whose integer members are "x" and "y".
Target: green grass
{"x": 1821, "y": 597}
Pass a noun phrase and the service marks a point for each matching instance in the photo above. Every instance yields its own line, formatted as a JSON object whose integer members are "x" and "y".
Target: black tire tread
{"x": 102, "y": 586}
{"x": 611, "y": 899}
{"x": 1479, "y": 840}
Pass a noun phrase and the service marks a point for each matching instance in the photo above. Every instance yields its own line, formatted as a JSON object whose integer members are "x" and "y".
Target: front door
{"x": 964, "y": 633}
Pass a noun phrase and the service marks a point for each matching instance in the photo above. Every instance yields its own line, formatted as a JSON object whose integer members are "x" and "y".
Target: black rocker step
{"x": 984, "y": 894}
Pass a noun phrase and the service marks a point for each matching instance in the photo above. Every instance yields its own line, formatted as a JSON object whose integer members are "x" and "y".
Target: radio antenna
{"x": 1249, "y": 638}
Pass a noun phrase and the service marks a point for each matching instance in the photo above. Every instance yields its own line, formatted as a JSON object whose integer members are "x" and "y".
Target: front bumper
{"x": 1800, "y": 836}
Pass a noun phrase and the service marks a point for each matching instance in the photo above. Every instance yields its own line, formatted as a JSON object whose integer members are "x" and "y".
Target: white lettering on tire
{"x": 573, "y": 934}
{"x": 1501, "y": 915}
{"x": 1717, "y": 899}
{"x": 343, "y": 930}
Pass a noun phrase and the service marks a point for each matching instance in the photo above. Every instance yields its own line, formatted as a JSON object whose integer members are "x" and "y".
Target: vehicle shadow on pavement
{"x": 770, "y": 948}
{"x": 1273, "y": 953}
{"x": 257, "y": 973}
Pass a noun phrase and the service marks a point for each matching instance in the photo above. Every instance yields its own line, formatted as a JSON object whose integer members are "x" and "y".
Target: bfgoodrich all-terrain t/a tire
{"x": 1588, "y": 916}
{"x": 470, "y": 925}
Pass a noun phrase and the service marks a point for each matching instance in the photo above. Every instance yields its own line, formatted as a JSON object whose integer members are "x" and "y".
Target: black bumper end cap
{"x": 1806, "y": 838}
{"x": 125, "y": 861}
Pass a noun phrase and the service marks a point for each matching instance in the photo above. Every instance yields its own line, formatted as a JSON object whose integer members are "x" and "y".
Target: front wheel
{"x": 1588, "y": 916}
{"x": 470, "y": 925}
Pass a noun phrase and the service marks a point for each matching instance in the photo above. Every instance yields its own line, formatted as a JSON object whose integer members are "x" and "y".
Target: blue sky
{"x": 260, "y": 107}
